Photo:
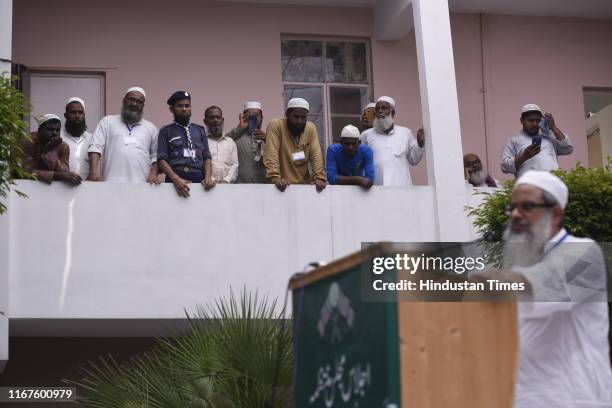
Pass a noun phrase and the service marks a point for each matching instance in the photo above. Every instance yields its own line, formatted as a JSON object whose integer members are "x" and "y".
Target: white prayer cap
{"x": 545, "y": 181}
{"x": 76, "y": 99}
{"x": 136, "y": 89}
{"x": 370, "y": 105}
{"x": 350, "y": 132}
{"x": 298, "y": 103}
{"x": 387, "y": 99}
{"x": 47, "y": 117}
{"x": 252, "y": 105}
{"x": 531, "y": 107}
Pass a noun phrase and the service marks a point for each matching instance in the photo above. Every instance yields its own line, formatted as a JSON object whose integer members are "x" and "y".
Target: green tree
{"x": 13, "y": 132}
{"x": 232, "y": 354}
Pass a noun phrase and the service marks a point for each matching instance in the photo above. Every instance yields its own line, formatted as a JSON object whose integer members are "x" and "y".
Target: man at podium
{"x": 563, "y": 326}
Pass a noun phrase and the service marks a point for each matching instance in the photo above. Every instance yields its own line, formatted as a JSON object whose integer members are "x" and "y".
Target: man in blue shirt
{"x": 349, "y": 162}
{"x": 182, "y": 152}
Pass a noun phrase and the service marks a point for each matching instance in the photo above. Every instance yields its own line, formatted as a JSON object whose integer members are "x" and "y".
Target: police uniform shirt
{"x": 182, "y": 154}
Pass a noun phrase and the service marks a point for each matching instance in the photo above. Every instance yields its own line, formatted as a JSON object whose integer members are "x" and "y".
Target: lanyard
{"x": 189, "y": 142}
{"x": 130, "y": 128}
{"x": 556, "y": 244}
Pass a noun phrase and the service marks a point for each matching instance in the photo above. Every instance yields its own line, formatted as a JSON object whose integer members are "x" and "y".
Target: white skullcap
{"x": 251, "y": 105}
{"x": 76, "y": 99}
{"x": 387, "y": 99}
{"x": 298, "y": 103}
{"x": 370, "y": 105}
{"x": 531, "y": 107}
{"x": 47, "y": 117}
{"x": 136, "y": 89}
{"x": 545, "y": 181}
{"x": 350, "y": 132}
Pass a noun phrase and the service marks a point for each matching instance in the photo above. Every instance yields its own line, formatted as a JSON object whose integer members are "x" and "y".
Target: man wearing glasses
{"x": 563, "y": 320}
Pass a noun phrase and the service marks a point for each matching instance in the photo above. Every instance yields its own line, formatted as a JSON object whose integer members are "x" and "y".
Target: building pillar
{"x": 6, "y": 35}
{"x": 440, "y": 107}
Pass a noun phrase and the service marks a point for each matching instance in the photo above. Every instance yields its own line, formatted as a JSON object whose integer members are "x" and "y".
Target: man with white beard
{"x": 475, "y": 174}
{"x": 395, "y": 147}
{"x": 563, "y": 323}
{"x": 124, "y": 147}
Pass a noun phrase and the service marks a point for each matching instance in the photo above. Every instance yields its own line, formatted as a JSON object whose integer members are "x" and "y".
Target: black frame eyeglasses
{"x": 526, "y": 207}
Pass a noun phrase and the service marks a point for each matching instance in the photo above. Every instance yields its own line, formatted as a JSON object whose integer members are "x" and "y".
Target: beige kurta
{"x": 280, "y": 147}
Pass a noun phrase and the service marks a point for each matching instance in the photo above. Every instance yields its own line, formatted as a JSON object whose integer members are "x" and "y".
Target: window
{"x": 333, "y": 76}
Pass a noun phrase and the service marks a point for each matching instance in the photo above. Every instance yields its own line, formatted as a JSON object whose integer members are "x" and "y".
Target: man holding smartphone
{"x": 250, "y": 142}
{"x": 538, "y": 144}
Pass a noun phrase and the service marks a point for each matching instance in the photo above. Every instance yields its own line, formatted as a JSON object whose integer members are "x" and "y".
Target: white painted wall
{"x": 134, "y": 251}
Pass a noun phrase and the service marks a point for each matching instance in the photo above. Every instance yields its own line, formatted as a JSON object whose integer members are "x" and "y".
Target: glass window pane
{"x": 340, "y": 122}
{"x": 346, "y": 100}
{"x": 313, "y": 94}
{"x": 302, "y": 61}
{"x": 346, "y": 62}
{"x": 319, "y": 123}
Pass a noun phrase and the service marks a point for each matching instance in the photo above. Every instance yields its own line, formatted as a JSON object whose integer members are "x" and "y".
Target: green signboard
{"x": 346, "y": 350}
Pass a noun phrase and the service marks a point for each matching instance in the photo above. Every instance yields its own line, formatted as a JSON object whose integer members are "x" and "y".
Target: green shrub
{"x": 588, "y": 213}
{"x": 13, "y": 132}
{"x": 232, "y": 354}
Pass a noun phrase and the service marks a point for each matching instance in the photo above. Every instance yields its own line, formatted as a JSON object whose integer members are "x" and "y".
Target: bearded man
{"x": 475, "y": 173}
{"x": 394, "y": 147}
{"x": 76, "y": 136}
{"x": 223, "y": 149}
{"x": 124, "y": 147}
{"x": 293, "y": 154}
{"x": 563, "y": 322}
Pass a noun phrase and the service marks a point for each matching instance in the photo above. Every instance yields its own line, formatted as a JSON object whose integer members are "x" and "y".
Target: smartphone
{"x": 536, "y": 140}
{"x": 252, "y": 123}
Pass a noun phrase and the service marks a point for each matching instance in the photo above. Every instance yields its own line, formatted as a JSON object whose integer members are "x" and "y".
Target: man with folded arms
{"x": 349, "y": 162}
{"x": 46, "y": 156}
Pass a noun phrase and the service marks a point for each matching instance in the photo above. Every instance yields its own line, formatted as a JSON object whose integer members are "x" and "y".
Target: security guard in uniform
{"x": 182, "y": 152}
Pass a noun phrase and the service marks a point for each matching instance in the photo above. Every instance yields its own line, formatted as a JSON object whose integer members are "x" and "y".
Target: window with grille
{"x": 333, "y": 76}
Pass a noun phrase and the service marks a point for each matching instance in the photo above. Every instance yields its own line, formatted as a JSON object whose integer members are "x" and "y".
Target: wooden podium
{"x": 410, "y": 354}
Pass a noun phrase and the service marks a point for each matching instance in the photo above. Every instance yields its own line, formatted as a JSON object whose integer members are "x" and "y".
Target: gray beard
{"x": 215, "y": 131}
{"x": 478, "y": 178}
{"x": 526, "y": 249}
{"x": 130, "y": 117}
{"x": 383, "y": 125}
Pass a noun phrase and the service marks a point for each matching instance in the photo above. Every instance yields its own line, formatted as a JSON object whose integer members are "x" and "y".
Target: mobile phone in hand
{"x": 252, "y": 123}
{"x": 536, "y": 140}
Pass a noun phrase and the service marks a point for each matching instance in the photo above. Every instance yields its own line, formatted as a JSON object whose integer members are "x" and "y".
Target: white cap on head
{"x": 76, "y": 99}
{"x": 298, "y": 103}
{"x": 370, "y": 105}
{"x": 136, "y": 89}
{"x": 251, "y": 105}
{"x": 387, "y": 99}
{"x": 545, "y": 181}
{"x": 47, "y": 117}
{"x": 531, "y": 107}
{"x": 350, "y": 132}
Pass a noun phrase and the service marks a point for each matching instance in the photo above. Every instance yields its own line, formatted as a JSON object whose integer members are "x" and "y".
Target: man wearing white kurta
{"x": 537, "y": 145}
{"x": 395, "y": 147}
{"x": 126, "y": 144}
{"x": 564, "y": 352}
{"x": 222, "y": 148}
{"x": 75, "y": 135}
